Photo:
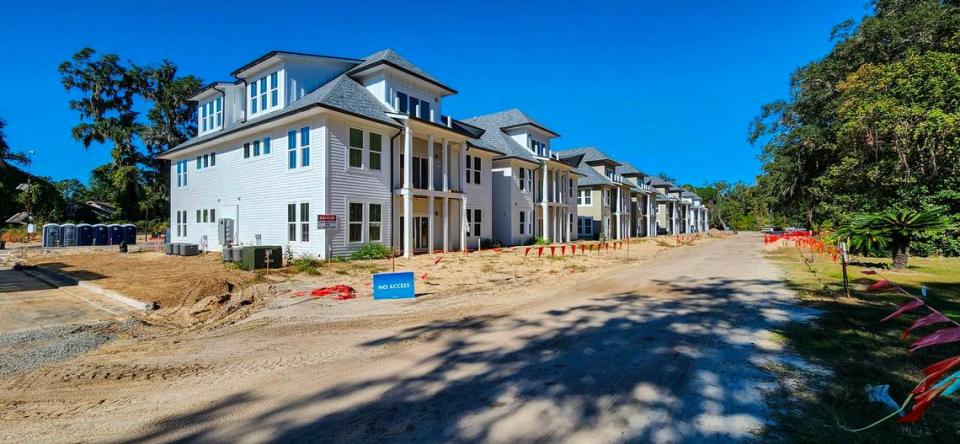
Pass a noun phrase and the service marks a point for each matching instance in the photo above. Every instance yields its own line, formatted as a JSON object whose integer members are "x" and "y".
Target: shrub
{"x": 372, "y": 251}
{"x": 305, "y": 264}
{"x": 542, "y": 241}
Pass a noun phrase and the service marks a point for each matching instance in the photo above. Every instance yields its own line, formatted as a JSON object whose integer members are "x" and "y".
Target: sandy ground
{"x": 666, "y": 348}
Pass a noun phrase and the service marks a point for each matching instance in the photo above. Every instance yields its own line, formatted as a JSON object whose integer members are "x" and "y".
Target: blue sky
{"x": 668, "y": 85}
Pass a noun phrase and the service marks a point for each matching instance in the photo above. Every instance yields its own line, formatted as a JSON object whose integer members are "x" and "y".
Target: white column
{"x": 446, "y": 165}
{"x": 463, "y": 201}
{"x": 430, "y": 162}
{"x": 446, "y": 224}
{"x": 407, "y": 192}
{"x": 463, "y": 167}
{"x": 430, "y": 224}
{"x": 543, "y": 204}
{"x": 619, "y": 212}
{"x": 463, "y": 223}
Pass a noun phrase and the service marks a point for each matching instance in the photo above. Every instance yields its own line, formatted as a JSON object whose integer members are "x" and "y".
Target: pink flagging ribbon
{"x": 903, "y": 309}
{"x": 942, "y": 336}
{"x": 930, "y": 319}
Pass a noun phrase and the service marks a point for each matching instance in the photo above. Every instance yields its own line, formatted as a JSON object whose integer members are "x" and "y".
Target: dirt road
{"x": 664, "y": 350}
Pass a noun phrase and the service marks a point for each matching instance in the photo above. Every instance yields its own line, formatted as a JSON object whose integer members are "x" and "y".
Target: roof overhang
{"x": 521, "y": 159}
{"x": 531, "y": 125}
{"x": 380, "y": 64}
{"x": 209, "y": 90}
{"x": 607, "y": 162}
{"x": 276, "y": 56}
{"x": 416, "y": 122}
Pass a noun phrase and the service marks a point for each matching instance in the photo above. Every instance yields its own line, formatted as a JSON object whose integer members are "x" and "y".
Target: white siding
{"x": 259, "y": 188}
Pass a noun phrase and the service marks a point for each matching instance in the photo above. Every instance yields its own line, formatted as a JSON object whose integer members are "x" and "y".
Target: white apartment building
{"x": 534, "y": 190}
{"x": 295, "y": 136}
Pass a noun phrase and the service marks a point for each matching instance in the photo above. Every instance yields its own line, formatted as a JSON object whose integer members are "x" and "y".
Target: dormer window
{"x": 211, "y": 115}
{"x": 413, "y": 106}
{"x": 264, "y": 93}
{"x": 538, "y": 148}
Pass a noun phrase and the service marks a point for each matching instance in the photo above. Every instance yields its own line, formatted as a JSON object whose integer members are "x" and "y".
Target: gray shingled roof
{"x": 494, "y": 137}
{"x": 590, "y": 154}
{"x": 626, "y": 168}
{"x": 340, "y": 94}
{"x": 656, "y": 181}
{"x": 391, "y": 57}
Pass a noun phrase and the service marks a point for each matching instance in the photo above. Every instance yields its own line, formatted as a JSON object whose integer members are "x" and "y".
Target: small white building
{"x": 296, "y": 136}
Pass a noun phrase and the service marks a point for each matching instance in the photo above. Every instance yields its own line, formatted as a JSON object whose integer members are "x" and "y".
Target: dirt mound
{"x": 210, "y": 301}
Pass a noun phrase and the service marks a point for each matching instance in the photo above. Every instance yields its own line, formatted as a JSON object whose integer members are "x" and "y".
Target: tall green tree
{"x": 107, "y": 92}
{"x": 871, "y": 126}
{"x": 110, "y": 93}
{"x": 170, "y": 121}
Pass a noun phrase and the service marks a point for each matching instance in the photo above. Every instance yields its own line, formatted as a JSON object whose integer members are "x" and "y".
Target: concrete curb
{"x": 58, "y": 279}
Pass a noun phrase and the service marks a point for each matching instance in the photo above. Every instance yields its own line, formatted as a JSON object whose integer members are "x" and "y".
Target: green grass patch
{"x": 849, "y": 340}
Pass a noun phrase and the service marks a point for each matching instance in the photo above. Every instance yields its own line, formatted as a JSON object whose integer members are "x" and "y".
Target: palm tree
{"x": 896, "y": 228}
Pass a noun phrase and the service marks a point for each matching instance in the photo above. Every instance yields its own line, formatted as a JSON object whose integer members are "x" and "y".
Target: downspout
{"x": 392, "y": 200}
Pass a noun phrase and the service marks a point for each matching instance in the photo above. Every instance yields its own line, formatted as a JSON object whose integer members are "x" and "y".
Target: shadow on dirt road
{"x": 633, "y": 366}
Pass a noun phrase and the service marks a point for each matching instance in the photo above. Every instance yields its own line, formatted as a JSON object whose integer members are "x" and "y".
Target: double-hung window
{"x": 181, "y": 173}
{"x": 182, "y": 223}
{"x": 355, "y": 220}
{"x": 473, "y": 170}
{"x": 304, "y": 222}
{"x": 523, "y": 180}
{"x": 375, "y": 223}
{"x": 291, "y": 149}
{"x": 305, "y": 146}
{"x": 355, "y": 150}
{"x": 523, "y": 222}
{"x": 584, "y": 197}
{"x": 274, "y": 89}
{"x": 376, "y": 151}
{"x": 606, "y": 197}
{"x": 298, "y": 221}
{"x": 198, "y": 216}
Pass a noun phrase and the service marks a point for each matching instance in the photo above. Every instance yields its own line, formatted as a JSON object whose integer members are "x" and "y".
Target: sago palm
{"x": 898, "y": 227}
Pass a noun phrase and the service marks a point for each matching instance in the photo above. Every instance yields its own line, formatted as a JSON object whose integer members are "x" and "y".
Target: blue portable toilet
{"x": 101, "y": 235}
{"x": 51, "y": 235}
{"x": 84, "y": 234}
{"x": 116, "y": 234}
{"x": 68, "y": 235}
{"x": 130, "y": 234}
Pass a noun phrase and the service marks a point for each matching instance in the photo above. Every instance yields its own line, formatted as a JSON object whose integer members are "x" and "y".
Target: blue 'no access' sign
{"x": 393, "y": 285}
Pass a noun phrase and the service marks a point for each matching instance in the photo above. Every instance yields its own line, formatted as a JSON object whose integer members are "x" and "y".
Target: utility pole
{"x": 29, "y": 196}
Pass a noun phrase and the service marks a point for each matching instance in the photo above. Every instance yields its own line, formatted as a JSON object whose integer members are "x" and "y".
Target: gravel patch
{"x": 23, "y": 351}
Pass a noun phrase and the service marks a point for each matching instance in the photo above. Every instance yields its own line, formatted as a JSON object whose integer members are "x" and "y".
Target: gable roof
{"x": 341, "y": 94}
{"x": 494, "y": 136}
{"x": 514, "y": 118}
{"x": 590, "y": 154}
{"x": 391, "y": 58}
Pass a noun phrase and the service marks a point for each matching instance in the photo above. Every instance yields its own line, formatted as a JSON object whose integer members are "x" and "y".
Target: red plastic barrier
{"x": 338, "y": 292}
